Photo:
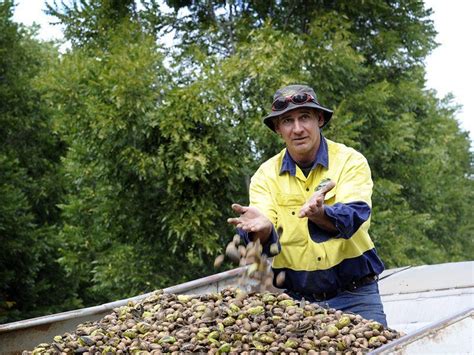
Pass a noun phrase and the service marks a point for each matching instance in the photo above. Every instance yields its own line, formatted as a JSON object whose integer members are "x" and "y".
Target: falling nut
{"x": 236, "y": 240}
{"x": 280, "y": 279}
{"x": 232, "y": 253}
{"x": 218, "y": 261}
{"x": 274, "y": 250}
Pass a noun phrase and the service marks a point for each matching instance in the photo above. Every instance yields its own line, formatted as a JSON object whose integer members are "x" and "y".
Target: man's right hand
{"x": 252, "y": 221}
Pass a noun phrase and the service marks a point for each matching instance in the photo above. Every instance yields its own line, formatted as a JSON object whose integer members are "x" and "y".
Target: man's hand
{"x": 314, "y": 208}
{"x": 251, "y": 220}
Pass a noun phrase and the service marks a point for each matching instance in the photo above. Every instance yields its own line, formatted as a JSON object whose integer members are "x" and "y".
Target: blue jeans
{"x": 365, "y": 300}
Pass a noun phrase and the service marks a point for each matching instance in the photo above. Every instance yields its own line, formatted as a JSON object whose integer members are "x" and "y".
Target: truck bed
{"x": 417, "y": 300}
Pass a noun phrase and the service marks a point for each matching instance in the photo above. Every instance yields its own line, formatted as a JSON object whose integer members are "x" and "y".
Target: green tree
{"x": 162, "y": 140}
{"x": 30, "y": 182}
{"x": 87, "y": 21}
{"x": 149, "y": 165}
{"x": 365, "y": 59}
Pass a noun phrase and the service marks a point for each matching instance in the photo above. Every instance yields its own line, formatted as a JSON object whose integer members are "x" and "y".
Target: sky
{"x": 449, "y": 67}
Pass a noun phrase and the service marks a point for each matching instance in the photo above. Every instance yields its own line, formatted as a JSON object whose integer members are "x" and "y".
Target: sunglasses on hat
{"x": 298, "y": 99}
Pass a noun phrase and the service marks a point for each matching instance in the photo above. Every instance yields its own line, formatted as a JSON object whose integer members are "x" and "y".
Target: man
{"x": 317, "y": 194}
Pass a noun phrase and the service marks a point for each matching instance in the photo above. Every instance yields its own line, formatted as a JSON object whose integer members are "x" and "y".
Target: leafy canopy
{"x": 144, "y": 145}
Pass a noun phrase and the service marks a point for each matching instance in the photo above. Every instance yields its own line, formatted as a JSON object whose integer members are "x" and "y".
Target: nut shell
{"x": 230, "y": 321}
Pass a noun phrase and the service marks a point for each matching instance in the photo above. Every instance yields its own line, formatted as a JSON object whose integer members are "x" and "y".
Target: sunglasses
{"x": 297, "y": 99}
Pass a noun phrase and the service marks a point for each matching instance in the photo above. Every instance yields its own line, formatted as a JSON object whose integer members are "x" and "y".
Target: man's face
{"x": 300, "y": 129}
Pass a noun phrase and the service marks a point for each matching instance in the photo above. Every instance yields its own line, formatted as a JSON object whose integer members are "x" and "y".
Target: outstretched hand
{"x": 251, "y": 220}
{"x": 314, "y": 207}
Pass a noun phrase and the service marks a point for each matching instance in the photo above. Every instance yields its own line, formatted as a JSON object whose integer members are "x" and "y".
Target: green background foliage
{"x": 122, "y": 155}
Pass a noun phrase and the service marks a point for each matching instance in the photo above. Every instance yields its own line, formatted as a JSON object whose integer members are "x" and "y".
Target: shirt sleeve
{"x": 260, "y": 197}
{"x": 352, "y": 206}
{"x": 347, "y": 217}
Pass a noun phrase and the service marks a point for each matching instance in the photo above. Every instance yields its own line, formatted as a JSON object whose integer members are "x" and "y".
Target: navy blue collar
{"x": 289, "y": 165}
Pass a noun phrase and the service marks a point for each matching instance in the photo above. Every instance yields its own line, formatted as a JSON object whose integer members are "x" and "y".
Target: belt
{"x": 361, "y": 282}
{"x": 324, "y": 296}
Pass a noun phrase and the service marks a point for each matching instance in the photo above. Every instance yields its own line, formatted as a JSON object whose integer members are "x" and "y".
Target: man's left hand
{"x": 252, "y": 221}
{"x": 314, "y": 208}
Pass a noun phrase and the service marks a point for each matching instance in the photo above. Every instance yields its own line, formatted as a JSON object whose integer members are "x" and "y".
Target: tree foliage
{"x": 149, "y": 167}
{"x": 30, "y": 182}
{"x": 365, "y": 59}
{"x": 157, "y": 140}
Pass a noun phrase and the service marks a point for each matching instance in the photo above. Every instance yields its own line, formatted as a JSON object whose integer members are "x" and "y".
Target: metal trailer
{"x": 26, "y": 334}
{"x": 432, "y": 304}
{"x": 453, "y": 335}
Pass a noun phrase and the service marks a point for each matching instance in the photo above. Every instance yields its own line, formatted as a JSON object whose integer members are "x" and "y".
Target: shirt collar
{"x": 289, "y": 165}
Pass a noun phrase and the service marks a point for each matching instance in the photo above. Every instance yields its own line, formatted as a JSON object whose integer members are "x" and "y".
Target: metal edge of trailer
{"x": 181, "y": 288}
{"x": 397, "y": 346}
{"x": 177, "y": 289}
{"x": 27, "y": 333}
{"x": 30, "y": 332}
{"x": 24, "y": 334}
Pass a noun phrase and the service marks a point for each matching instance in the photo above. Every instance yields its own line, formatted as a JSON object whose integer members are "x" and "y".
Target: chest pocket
{"x": 294, "y": 228}
{"x": 290, "y": 200}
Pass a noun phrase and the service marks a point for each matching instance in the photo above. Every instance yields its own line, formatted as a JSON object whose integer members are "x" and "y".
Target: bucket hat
{"x": 292, "y": 97}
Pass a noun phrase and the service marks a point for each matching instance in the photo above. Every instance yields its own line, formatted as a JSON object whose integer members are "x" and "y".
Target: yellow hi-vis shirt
{"x": 313, "y": 264}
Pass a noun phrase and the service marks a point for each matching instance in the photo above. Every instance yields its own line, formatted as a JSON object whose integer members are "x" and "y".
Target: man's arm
{"x": 314, "y": 208}
{"x": 258, "y": 220}
{"x": 352, "y": 207}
